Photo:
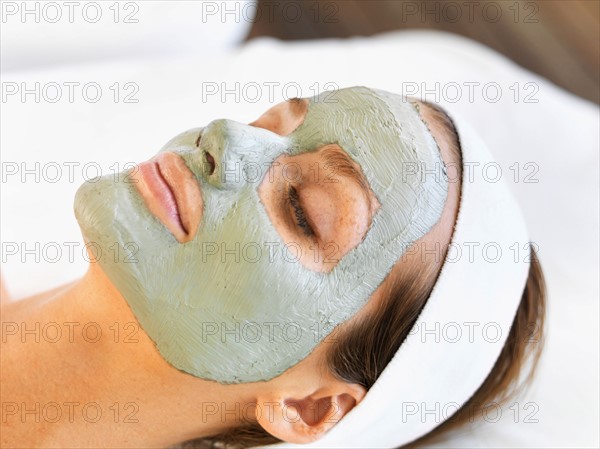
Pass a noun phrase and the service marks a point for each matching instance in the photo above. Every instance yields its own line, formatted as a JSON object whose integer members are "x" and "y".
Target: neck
{"x": 77, "y": 370}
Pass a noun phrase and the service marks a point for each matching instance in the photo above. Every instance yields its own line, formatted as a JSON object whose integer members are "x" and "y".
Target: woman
{"x": 275, "y": 270}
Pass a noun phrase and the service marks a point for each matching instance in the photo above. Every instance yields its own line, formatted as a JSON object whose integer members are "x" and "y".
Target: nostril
{"x": 210, "y": 161}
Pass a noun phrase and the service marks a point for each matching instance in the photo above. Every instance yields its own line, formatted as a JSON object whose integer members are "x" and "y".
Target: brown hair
{"x": 361, "y": 352}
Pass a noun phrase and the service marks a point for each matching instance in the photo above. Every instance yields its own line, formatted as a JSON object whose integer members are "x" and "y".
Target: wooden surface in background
{"x": 559, "y": 39}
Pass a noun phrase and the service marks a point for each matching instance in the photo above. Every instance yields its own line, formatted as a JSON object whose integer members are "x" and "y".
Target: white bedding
{"x": 559, "y": 133}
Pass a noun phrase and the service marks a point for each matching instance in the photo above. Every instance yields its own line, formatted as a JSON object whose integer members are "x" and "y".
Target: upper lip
{"x": 171, "y": 193}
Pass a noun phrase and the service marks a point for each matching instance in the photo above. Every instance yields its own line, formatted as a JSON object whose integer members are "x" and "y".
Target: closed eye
{"x": 299, "y": 214}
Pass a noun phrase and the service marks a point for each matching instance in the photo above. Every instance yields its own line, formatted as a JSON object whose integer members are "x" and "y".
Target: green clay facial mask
{"x": 234, "y": 304}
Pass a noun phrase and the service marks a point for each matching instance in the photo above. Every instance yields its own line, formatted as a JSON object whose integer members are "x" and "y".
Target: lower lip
{"x": 171, "y": 194}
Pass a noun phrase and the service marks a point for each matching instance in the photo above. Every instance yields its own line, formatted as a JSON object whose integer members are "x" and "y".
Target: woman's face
{"x": 240, "y": 247}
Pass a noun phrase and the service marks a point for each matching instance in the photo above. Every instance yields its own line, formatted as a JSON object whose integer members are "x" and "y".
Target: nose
{"x": 235, "y": 154}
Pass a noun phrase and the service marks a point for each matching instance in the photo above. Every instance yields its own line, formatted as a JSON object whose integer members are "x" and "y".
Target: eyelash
{"x": 298, "y": 212}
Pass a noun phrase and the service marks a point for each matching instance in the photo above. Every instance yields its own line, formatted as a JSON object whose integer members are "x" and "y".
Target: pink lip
{"x": 171, "y": 193}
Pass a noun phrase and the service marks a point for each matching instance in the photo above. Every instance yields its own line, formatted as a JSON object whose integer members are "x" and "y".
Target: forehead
{"x": 385, "y": 135}
{"x": 364, "y": 105}
{"x": 382, "y": 132}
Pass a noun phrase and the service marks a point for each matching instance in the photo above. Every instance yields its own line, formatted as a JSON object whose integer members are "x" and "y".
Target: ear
{"x": 305, "y": 419}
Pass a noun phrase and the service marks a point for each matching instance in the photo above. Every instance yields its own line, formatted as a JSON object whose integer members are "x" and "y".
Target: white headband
{"x": 462, "y": 328}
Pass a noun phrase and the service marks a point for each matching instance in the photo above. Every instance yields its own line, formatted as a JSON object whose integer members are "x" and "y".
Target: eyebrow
{"x": 336, "y": 157}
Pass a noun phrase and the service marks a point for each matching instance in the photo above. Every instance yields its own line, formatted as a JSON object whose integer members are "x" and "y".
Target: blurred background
{"x": 559, "y": 40}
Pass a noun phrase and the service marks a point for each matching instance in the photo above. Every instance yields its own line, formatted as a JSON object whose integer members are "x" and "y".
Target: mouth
{"x": 171, "y": 193}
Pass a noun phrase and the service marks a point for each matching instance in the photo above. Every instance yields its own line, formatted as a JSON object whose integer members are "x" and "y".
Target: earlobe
{"x": 303, "y": 420}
